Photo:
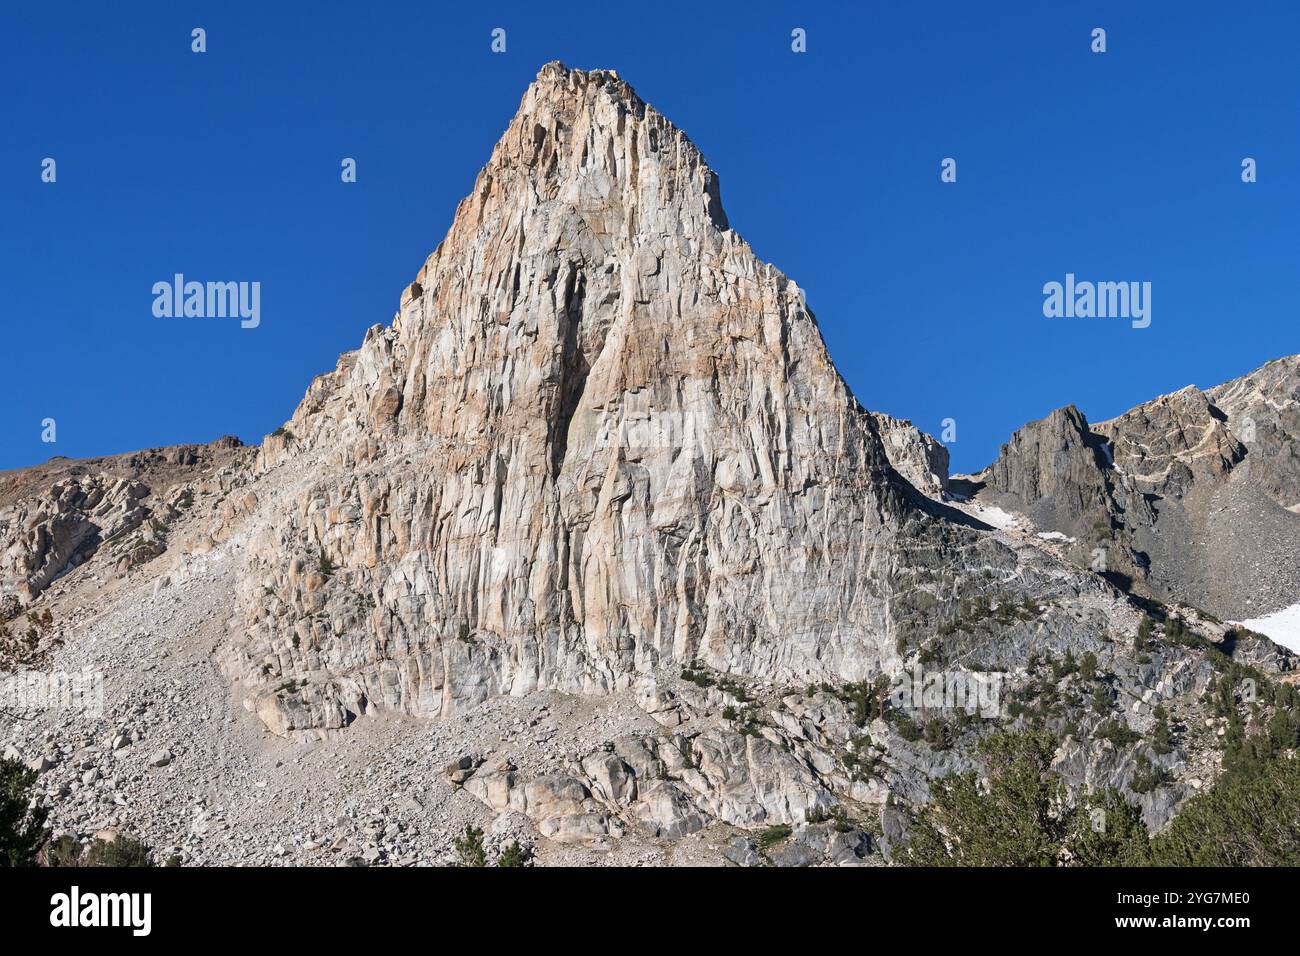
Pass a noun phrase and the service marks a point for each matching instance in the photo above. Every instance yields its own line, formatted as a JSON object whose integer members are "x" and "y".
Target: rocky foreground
{"x": 593, "y": 548}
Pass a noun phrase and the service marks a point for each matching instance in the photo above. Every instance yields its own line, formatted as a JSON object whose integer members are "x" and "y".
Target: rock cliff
{"x": 598, "y": 437}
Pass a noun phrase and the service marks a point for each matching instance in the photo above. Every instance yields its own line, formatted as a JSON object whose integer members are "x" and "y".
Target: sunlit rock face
{"x": 599, "y": 436}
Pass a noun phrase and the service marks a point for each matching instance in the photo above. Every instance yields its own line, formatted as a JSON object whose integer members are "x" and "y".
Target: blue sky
{"x": 225, "y": 165}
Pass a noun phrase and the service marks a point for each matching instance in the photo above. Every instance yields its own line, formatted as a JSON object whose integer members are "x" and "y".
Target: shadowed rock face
{"x": 1191, "y": 496}
{"x": 1054, "y": 471}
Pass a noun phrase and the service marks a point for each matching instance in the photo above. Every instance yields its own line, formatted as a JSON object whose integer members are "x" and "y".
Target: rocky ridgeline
{"x": 84, "y": 507}
{"x": 1192, "y": 496}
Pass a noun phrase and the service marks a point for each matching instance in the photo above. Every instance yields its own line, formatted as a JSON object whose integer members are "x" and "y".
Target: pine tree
{"x": 1246, "y": 819}
{"x": 124, "y": 851}
{"x": 1012, "y": 821}
{"x": 1283, "y": 729}
{"x": 1143, "y": 637}
{"x": 513, "y": 855}
{"x": 1162, "y": 741}
{"x": 469, "y": 847}
{"x": 22, "y": 829}
{"x": 936, "y": 734}
{"x": 1088, "y": 667}
{"x": 1108, "y": 831}
{"x": 1224, "y": 698}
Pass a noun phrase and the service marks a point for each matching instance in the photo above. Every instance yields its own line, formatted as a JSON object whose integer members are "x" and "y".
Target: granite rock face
{"x": 601, "y": 439}
{"x": 599, "y": 436}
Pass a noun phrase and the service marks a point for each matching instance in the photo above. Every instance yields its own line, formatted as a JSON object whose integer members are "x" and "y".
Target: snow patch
{"x": 995, "y": 516}
{"x": 1282, "y": 627}
{"x": 1054, "y": 536}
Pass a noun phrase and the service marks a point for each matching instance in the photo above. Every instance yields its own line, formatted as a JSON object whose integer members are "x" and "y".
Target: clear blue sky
{"x": 225, "y": 165}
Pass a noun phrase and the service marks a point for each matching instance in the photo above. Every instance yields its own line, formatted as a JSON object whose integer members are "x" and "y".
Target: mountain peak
{"x": 555, "y": 76}
{"x": 584, "y": 137}
{"x": 591, "y": 375}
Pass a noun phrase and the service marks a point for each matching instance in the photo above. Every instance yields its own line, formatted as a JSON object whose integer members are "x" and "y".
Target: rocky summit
{"x": 1193, "y": 497}
{"x": 594, "y": 549}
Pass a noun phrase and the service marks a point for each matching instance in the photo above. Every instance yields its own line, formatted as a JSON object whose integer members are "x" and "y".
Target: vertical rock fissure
{"x": 574, "y": 366}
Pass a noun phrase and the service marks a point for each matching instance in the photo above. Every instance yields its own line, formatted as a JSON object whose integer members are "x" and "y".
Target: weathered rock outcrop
{"x": 916, "y": 456}
{"x": 1166, "y": 444}
{"x": 1182, "y": 498}
{"x": 58, "y": 516}
{"x": 65, "y": 527}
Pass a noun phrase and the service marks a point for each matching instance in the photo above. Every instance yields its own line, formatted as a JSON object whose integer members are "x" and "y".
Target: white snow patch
{"x": 1054, "y": 536}
{"x": 1282, "y": 627}
{"x": 995, "y": 516}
